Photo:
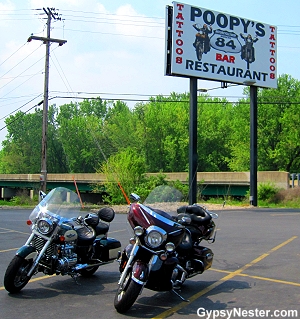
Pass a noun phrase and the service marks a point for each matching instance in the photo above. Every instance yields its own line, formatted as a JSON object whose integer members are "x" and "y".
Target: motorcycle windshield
{"x": 165, "y": 198}
{"x": 60, "y": 204}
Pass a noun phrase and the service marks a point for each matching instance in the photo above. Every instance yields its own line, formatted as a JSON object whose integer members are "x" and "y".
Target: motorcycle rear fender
{"x": 140, "y": 272}
{"x": 27, "y": 252}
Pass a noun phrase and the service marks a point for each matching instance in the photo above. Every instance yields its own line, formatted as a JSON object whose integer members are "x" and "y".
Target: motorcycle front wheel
{"x": 15, "y": 277}
{"x": 199, "y": 52}
{"x": 127, "y": 293}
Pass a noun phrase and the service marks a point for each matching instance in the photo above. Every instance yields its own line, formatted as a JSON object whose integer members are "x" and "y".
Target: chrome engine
{"x": 68, "y": 258}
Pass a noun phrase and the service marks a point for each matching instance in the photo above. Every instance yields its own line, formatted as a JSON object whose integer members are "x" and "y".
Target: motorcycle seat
{"x": 101, "y": 229}
{"x": 86, "y": 235}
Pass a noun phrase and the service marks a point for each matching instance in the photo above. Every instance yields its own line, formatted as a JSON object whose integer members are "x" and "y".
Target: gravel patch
{"x": 172, "y": 207}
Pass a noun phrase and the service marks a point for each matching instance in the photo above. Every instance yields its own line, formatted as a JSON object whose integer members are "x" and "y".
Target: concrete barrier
{"x": 213, "y": 182}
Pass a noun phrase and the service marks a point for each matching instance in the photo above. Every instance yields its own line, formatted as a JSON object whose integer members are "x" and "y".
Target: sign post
{"x": 193, "y": 156}
{"x": 253, "y": 145}
{"x": 211, "y": 45}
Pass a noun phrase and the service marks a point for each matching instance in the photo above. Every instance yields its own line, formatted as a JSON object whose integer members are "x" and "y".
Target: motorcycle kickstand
{"x": 178, "y": 295}
{"x": 74, "y": 276}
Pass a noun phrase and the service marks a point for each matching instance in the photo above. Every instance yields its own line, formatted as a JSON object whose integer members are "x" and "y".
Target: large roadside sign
{"x": 213, "y": 45}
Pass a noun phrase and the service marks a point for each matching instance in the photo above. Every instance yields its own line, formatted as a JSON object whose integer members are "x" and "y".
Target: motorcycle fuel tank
{"x": 145, "y": 216}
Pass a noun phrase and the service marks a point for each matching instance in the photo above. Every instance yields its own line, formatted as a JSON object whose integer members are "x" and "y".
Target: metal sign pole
{"x": 253, "y": 145}
{"x": 193, "y": 157}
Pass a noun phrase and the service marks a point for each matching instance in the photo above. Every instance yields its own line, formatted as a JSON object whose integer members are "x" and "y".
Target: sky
{"x": 115, "y": 49}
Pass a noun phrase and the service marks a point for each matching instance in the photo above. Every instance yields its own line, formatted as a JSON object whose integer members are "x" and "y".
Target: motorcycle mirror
{"x": 134, "y": 197}
{"x": 42, "y": 195}
{"x": 186, "y": 219}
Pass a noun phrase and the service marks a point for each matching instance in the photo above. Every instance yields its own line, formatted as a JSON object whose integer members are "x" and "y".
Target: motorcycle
{"x": 62, "y": 241}
{"x": 199, "y": 45}
{"x": 165, "y": 249}
{"x": 248, "y": 52}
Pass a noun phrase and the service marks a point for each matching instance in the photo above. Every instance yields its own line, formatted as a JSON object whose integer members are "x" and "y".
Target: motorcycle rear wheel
{"x": 127, "y": 294}
{"x": 15, "y": 277}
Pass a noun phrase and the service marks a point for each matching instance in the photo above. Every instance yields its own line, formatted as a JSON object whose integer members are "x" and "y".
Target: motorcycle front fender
{"x": 140, "y": 272}
{"x": 27, "y": 252}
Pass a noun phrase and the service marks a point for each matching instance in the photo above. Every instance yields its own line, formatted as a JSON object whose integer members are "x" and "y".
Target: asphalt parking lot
{"x": 255, "y": 274}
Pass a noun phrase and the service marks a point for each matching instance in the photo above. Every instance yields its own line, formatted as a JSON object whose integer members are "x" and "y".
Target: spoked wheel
{"x": 127, "y": 294}
{"x": 15, "y": 277}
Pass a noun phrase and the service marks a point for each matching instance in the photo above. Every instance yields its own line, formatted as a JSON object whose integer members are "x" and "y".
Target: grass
{"x": 284, "y": 198}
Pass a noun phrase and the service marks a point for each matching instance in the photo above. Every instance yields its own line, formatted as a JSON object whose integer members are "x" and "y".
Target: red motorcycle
{"x": 165, "y": 249}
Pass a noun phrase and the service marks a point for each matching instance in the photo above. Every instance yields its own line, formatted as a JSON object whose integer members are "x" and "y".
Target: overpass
{"x": 209, "y": 183}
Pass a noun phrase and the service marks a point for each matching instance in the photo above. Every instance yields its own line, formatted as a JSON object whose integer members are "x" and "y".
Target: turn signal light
{"x": 163, "y": 257}
{"x": 29, "y": 222}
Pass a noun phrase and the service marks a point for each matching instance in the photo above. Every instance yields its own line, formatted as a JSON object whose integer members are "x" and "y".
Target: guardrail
{"x": 293, "y": 178}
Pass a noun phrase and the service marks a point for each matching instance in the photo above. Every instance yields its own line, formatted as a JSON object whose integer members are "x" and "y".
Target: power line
{"x": 39, "y": 72}
{"x": 2, "y": 118}
{"x": 40, "y": 103}
{"x": 114, "y": 14}
{"x": 13, "y": 53}
{"x": 110, "y": 33}
{"x": 21, "y": 61}
{"x": 174, "y": 101}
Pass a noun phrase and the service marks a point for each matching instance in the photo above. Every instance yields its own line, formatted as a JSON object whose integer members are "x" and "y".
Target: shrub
{"x": 284, "y": 196}
{"x": 266, "y": 191}
{"x": 127, "y": 168}
{"x": 23, "y": 199}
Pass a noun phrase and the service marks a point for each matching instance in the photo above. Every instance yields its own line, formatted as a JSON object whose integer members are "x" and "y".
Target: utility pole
{"x": 50, "y": 12}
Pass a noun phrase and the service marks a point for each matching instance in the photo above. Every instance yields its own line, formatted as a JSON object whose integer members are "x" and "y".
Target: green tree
{"x": 120, "y": 128}
{"x": 278, "y": 133}
{"x": 22, "y": 148}
{"x": 278, "y": 129}
{"x": 79, "y": 127}
{"x": 239, "y": 159}
{"x": 165, "y": 133}
{"x": 126, "y": 168}
{"x": 214, "y": 134}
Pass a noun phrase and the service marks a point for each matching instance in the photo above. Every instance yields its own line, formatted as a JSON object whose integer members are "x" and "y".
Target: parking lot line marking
{"x": 237, "y": 272}
{"x": 297, "y": 284}
{"x": 35, "y": 279}
{"x": 286, "y": 214}
{"x": 5, "y": 250}
{"x": 259, "y": 277}
{"x": 117, "y": 231}
{"x": 41, "y": 278}
{"x": 14, "y": 231}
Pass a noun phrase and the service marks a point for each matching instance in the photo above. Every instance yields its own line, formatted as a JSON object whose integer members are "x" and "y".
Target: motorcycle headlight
{"x": 155, "y": 236}
{"x": 45, "y": 226}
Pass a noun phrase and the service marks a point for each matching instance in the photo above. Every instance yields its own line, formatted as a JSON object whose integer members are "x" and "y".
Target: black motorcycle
{"x": 248, "y": 52}
{"x": 165, "y": 249}
{"x": 62, "y": 241}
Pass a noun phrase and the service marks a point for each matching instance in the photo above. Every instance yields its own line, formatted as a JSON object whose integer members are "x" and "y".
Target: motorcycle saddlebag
{"x": 110, "y": 249}
{"x": 205, "y": 255}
